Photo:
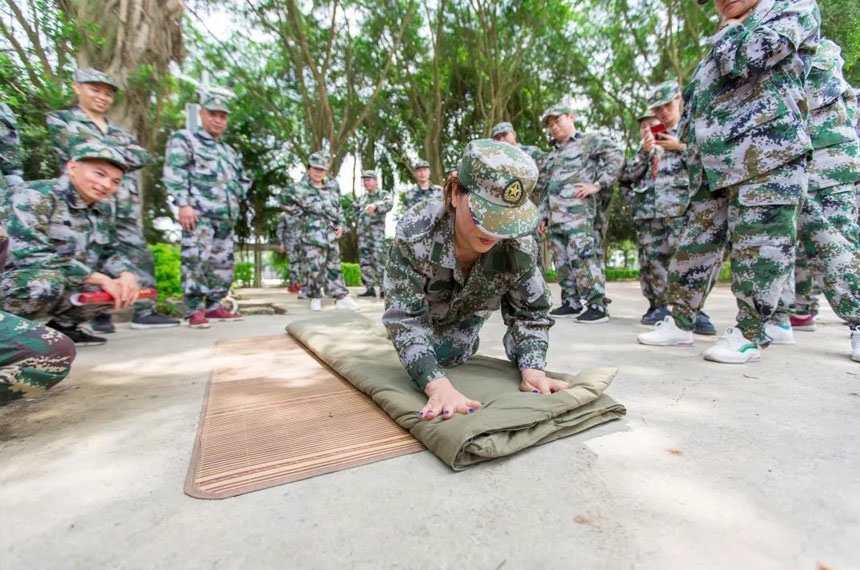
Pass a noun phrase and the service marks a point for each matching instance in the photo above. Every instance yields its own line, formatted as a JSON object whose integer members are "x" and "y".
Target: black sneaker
{"x": 79, "y": 337}
{"x": 369, "y": 292}
{"x": 704, "y": 325}
{"x": 152, "y": 320}
{"x": 102, "y": 324}
{"x": 566, "y": 311}
{"x": 656, "y": 316}
{"x": 646, "y": 318}
{"x": 595, "y": 314}
{"x": 381, "y": 294}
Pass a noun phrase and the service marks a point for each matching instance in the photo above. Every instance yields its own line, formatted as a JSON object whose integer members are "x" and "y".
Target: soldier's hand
{"x": 129, "y": 289}
{"x": 370, "y": 209}
{"x": 541, "y": 227}
{"x": 446, "y": 401}
{"x": 538, "y": 382}
{"x": 187, "y": 218}
{"x": 669, "y": 142}
{"x": 282, "y": 249}
{"x": 648, "y": 141}
{"x": 585, "y": 189}
{"x": 338, "y": 231}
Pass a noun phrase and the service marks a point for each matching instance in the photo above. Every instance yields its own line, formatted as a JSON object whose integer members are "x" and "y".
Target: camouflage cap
{"x": 420, "y": 163}
{"x": 500, "y": 178}
{"x": 663, "y": 93}
{"x": 644, "y": 115}
{"x": 319, "y": 159}
{"x": 89, "y": 75}
{"x": 212, "y": 102}
{"x": 450, "y": 169}
{"x": 501, "y": 128}
{"x": 555, "y": 110}
{"x": 94, "y": 150}
{"x": 369, "y": 174}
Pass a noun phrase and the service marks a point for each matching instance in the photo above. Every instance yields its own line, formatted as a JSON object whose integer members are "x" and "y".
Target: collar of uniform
{"x": 575, "y": 137}
{"x": 204, "y": 134}
{"x": 502, "y": 258}
{"x": 82, "y": 116}
{"x": 70, "y": 195}
{"x": 442, "y": 251}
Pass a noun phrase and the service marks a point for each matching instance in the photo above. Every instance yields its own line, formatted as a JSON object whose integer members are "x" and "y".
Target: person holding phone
{"x": 656, "y": 186}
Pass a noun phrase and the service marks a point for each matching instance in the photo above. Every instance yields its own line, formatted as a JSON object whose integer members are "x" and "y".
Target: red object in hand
{"x": 102, "y": 298}
{"x": 657, "y": 129}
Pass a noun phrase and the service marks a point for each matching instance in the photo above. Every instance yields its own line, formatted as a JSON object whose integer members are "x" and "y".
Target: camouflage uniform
{"x": 208, "y": 175}
{"x": 288, "y": 236}
{"x": 573, "y": 235}
{"x": 322, "y": 215}
{"x": 32, "y": 357}
{"x": 744, "y": 123}
{"x": 371, "y": 235}
{"x": 415, "y": 194}
{"x": 828, "y": 241}
{"x": 433, "y": 311}
{"x": 57, "y": 241}
{"x": 72, "y": 127}
{"x": 11, "y": 169}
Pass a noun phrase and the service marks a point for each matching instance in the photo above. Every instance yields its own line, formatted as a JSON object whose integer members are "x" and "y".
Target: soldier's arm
{"x": 244, "y": 177}
{"x": 632, "y": 174}
{"x": 384, "y": 205}
{"x": 609, "y": 162}
{"x": 281, "y": 230}
{"x": 742, "y": 51}
{"x": 407, "y": 318}
{"x": 60, "y": 131}
{"x": 525, "y": 311}
{"x": 10, "y": 155}
{"x": 175, "y": 175}
{"x": 27, "y": 222}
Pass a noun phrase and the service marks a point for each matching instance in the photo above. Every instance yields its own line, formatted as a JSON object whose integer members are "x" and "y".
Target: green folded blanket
{"x": 509, "y": 421}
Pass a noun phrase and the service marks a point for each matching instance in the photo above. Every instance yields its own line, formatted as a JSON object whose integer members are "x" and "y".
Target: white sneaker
{"x": 733, "y": 348}
{"x": 666, "y": 333}
{"x": 779, "y": 334}
{"x": 316, "y": 304}
{"x": 855, "y": 344}
{"x": 346, "y": 304}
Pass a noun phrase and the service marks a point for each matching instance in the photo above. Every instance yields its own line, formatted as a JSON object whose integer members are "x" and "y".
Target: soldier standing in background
{"x": 423, "y": 189}
{"x": 85, "y": 122}
{"x": 62, "y": 241}
{"x": 207, "y": 180}
{"x": 288, "y": 244}
{"x": 370, "y": 211}
{"x": 745, "y": 125}
{"x": 318, "y": 198}
{"x": 657, "y": 186}
{"x": 573, "y": 175}
{"x": 11, "y": 169}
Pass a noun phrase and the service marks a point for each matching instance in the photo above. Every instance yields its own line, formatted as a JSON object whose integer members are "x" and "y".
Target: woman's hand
{"x": 669, "y": 142}
{"x": 446, "y": 401}
{"x": 538, "y": 382}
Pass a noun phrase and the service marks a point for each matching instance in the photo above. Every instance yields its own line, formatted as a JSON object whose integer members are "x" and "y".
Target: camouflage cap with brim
{"x": 500, "y": 178}
{"x": 663, "y": 93}
{"x": 319, "y": 159}
{"x": 556, "y": 110}
{"x": 215, "y": 103}
{"x": 89, "y": 75}
{"x": 420, "y": 163}
{"x": 369, "y": 174}
{"x": 501, "y": 128}
{"x": 94, "y": 150}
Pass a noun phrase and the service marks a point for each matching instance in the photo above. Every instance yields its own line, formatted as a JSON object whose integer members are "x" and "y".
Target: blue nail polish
{"x": 446, "y": 412}
{"x": 471, "y": 410}
{"x": 535, "y": 392}
{"x": 421, "y": 415}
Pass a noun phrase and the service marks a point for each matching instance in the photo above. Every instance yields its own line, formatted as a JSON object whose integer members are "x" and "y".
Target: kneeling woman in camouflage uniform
{"x": 453, "y": 263}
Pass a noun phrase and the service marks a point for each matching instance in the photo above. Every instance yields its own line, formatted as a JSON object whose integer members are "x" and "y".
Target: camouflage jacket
{"x": 321, "y": 212}
{"x": 427, "y": 294}
{"x": 538, "y": 156}
{"x": 587, "y": 158}
{"x": 4, "y": 248}
{"x": 283, "y": 229}
{"x": 415, "y": 194}
{"x": 369, "y": 223}
{"x": 656, "y": 184}
{"x": 51, "y": 228}
{"x": 72, "y": 127}
{"x": 836, "y": 160}
{"x": 745, "y": 109}
{"x": 11, "y": 169}
{"x": 205, "y": 174}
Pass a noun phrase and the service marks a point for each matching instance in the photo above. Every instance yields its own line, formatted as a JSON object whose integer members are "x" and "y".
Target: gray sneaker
{"x": 152, "y": 321}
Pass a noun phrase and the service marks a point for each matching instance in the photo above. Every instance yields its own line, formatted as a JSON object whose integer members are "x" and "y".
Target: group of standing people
{"x": 81, "y": 232}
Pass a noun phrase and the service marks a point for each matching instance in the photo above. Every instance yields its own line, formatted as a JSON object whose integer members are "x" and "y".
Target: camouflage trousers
{"x": 579, "y": 263}
{"x": 323, "y": 271}
{"x": 33, "y": 357}
{"x": 372, "y": 256}
{"x": 828, "y": 252}
{"x": 144, "y": 270}
{"x": 295, "y": 255}
{"x": 761, "y": 240}
{"x": 207, "y": 263}
{"x": 45, "y": 293}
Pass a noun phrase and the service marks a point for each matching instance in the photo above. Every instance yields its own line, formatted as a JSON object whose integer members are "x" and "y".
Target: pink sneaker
{"x": 197, "y": 320}
{"x": 803, "y": 322}
{"x": 222, "y": 314}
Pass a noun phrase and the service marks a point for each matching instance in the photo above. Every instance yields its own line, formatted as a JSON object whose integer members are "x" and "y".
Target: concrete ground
{"x": 715, "y": 466}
